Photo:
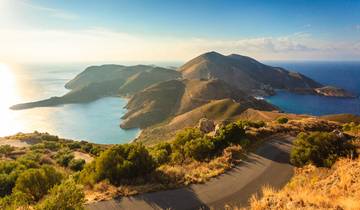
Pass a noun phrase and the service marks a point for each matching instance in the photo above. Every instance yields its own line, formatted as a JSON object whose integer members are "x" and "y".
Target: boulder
{"x": 206, "y": 125}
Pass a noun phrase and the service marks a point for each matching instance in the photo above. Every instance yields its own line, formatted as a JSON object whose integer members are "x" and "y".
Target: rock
{"x": 206, "y": 125}
{"x": 334, "y": 92}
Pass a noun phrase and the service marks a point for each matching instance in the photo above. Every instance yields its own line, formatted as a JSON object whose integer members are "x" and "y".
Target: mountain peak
{"x": 211, "y": 55}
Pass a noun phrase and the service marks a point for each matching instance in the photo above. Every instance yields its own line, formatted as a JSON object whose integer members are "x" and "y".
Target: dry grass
{"x": 316, "y": 188}
{"x": 199, "y": 172}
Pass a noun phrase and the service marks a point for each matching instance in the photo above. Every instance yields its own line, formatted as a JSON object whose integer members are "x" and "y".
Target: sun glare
{"x": 7, "y": 85}
{"x": 8, "y": 95}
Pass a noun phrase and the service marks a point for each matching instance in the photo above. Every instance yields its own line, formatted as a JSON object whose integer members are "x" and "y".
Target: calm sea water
{"x": 340, "y": 74}
{"x": 97, "y": 121}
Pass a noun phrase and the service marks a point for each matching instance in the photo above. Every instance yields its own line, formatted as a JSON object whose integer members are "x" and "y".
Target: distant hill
{"x": 246, "y": 74}
{"x": 107, "y": 80}
{"x": 176, "y": 97}
{"x": 143, "y": 79}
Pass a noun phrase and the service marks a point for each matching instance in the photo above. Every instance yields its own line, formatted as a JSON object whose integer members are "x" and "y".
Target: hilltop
{"x": 252, "y": 76}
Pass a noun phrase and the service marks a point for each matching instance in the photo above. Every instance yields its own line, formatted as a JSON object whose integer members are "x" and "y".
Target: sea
{"x": 340, "y": 74}
{"x": 99, "y": 121}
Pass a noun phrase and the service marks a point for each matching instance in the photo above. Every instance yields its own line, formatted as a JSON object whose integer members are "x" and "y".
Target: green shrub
{"x": 186, "y": 135}
{"x": 48, "y": 137}
{"x": 253, "y": 124}
{"x": 86, "y": 147}
{"x": 232, "y": 133}
{"x": 77, "y": 164}
{"x": 122, "y": 162}
{"x": 37, "y": 182}
{"x": 161, "y": 153}
{"x": 64, "y": 157}
{"x": 66, "y": 196}
{"x": 30, "y": 160}
{"x": 7, "y": 183}
{"x": 17, "y": 200}
{"x": 320, "y": 149}
{"x": 282, "y": 120}
{"x": 96, "y": 150}
{"x": 352, "y": 127}
{"x": 9, "y": 171}
{"x": 74, "y": 145}
{"x": 53, "y": 146}
{"x": 6, "y": 149}
{"x": 199, "y": 149}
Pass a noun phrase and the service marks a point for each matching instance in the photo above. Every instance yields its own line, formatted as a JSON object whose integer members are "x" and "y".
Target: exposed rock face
{"x": 245, "y": 73}
{"x": 206, "y": 125}
{"x": 334, "y": 92}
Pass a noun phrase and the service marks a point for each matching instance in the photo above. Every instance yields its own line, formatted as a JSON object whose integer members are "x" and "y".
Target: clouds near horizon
{"x": 23, "y": 41}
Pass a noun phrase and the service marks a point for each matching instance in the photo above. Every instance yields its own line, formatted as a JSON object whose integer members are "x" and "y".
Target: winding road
{"x": 268, "y": 165}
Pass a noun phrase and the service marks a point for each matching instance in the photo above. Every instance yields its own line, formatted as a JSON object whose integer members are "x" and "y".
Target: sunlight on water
{"x": 9, "y": 95}
{"x": 97, "y": 121}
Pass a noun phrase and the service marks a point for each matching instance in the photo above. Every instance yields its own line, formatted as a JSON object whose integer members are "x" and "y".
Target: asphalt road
{"x": 269, "y": 165}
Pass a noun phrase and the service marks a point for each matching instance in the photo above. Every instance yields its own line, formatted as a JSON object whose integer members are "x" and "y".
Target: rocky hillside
{"x": 249, "y": 75}
{"x": 176, "y": 97}
{"x": 141, "y": 80}
{"x": 108, "y": 80}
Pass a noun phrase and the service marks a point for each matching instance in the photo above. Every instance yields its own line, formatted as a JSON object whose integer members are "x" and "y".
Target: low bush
{"x": 6, "y": 149}
{"x": 37, "y": 182}
{"x": 64, "y": 157}
{"x": 253, "y": 124}
{"x": 320, "y": 149}
{"x": 199, "y": 149}
{"x": 232, "y": 133}
{"x": 351, "y": 127}
{"x": 161, "y": 153}
{"x": 77, "y": 164}
{"x": 66, "y": 196}
{"x": 282, "y": 120}
{"x": 121, "y": 163}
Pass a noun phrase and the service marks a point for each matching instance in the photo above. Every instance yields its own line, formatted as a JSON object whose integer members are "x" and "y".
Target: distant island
{"x": 211, "y": 86}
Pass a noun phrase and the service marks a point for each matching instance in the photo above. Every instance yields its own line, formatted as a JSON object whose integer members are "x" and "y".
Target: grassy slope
{"x": 317, "y": 188}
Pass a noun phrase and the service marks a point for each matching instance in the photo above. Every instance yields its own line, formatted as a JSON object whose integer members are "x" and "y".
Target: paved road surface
{"x": 267, "y": 166}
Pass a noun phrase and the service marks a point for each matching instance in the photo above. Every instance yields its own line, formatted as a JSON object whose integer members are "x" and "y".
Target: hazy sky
{"x": 169, "y": 30}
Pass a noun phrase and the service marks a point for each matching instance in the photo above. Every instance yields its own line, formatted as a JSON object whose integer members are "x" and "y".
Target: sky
{"x": 161, "y": 30}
